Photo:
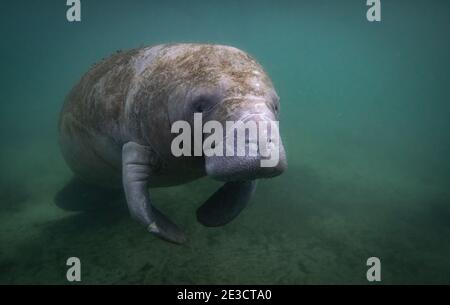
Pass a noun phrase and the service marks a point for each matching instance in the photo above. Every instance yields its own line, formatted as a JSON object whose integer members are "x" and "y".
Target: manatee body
{"x": 115, "y": 126}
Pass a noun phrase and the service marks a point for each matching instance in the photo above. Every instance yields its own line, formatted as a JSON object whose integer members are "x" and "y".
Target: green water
{"x": 365, "y": 121}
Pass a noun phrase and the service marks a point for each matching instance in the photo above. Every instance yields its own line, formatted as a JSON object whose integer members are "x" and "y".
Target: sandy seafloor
{"x": 364, "y": 121}
{"x": 320, "y": 230}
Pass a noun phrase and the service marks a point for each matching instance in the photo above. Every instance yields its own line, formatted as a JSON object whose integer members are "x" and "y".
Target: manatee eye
{"x": 198, "y": 108}
{"x": 204, "y": 103}
{"x": 199, "y": 105}
{"x": 276, "y": 103}
{"x": 276, "y": 107}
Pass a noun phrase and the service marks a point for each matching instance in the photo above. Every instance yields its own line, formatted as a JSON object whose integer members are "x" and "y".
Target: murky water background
{"x": 365, "y": 120}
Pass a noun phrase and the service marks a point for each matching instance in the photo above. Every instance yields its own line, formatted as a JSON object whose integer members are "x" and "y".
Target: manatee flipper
{"x": 78, "y": 195}
{"x": 226, "y": 203}
{"x": 138, "y": 166}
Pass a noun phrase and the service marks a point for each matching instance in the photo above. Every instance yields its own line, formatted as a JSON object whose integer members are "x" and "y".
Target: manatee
{"x": 115, "y": 128}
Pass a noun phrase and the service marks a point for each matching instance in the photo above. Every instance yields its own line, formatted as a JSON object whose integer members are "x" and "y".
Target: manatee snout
{"x": 262, "y": 154}
{"x": 241, "y": 168}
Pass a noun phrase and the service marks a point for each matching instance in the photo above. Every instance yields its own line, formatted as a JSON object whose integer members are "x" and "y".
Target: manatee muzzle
{"x": 249, "y": 155}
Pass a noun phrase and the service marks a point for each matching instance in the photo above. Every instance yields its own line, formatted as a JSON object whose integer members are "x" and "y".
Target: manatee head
{"x": 227, "y": 86}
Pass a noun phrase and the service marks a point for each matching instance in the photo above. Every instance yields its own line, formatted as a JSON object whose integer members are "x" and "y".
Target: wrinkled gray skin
{"x": 115, "y": 126}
